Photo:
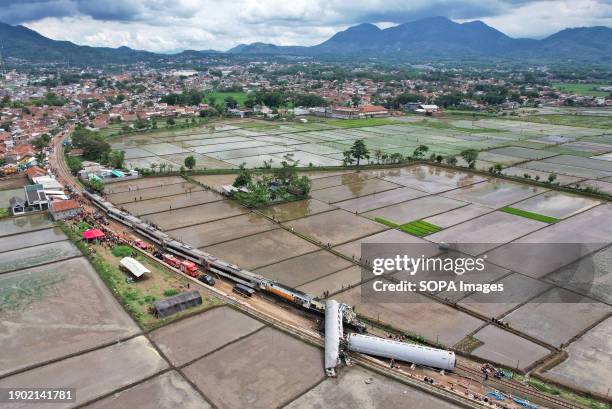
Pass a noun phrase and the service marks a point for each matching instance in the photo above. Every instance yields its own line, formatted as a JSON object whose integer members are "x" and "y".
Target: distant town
{"x": 47, "y": 101}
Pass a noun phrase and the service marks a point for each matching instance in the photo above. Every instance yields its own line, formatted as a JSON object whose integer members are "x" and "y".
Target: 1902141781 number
{"x": 37, "y": 395}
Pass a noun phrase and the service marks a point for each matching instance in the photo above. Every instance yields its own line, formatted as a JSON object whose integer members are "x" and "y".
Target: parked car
{"x": 206, "y": 279}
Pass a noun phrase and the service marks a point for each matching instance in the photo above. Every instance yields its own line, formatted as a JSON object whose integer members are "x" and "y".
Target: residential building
{"x": 65, "y": 209}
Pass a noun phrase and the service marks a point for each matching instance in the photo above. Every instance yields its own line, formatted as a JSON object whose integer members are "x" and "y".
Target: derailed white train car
{"x": 333, "y": 335}
{"x": 417, "y": 354}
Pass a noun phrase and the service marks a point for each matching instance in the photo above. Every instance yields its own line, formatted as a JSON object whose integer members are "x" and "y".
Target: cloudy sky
{"x": 173, "y": 25}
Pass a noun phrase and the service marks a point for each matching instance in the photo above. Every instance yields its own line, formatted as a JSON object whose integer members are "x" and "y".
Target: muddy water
{"x": 210, "y": 233}
{"x": 262, "y": 249}
{"x": 486, "y": 232}
{"x": 169, "y": 390}
{"x": 415, "y": 209}
{"x": 154, "y": 192}
{"x": 95, "y": 373}
{"x": 44, "y": 253}
{"x": 31, "y": 239}
{"x": 171, "y": 202}
{"x": 565, "y": 314}
{"x": 495, "y": 193}
{"x": 377, "y": 200}
{"x": 295, "y": 210}
{"x": 64, "y": 306}
{"x": 587, "y": 352}
{"x": 24, "y": 224}
{"x": 138, "y": 184}
{"x": 517, "y": 290}
{"x": 174, "y": 219}
{"x": 268, "y": 359}
{"x": 228, "y": 146}
{"x": 163, "y": 148}
{"x": 335, "y": 227}
{"x": 557, "y": 204}
{"x": 303, "y": 269}
{"x": 246, "y": 152}
{"x": 352, "y": 190}
{"x": 457, "y": 216}
{"x": 507, "y": 348}
{"x": 337, "y": 180}
{"x": 429, "y": 178}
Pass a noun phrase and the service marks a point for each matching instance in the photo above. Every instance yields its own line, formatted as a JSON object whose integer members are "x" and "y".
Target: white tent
{"x": 134, "y": 266}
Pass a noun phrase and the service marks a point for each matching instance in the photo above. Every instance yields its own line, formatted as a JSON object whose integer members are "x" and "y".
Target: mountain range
{"x": 439, "y": 37}
{"x": 430, "y": 38}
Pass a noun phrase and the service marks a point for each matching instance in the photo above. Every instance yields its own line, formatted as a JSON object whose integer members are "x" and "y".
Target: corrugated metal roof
{"x": 179, "y": 302}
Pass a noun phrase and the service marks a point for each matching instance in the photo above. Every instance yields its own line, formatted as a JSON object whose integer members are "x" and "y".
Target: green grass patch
{"x": 241, "y": 97}
{"x": 4, "y": 212}
{"x": 529, "y": 215}
{"x": 587, "y": 121}
{"x": 415, "y": 231}
{"x": 542, "y": 387}
{"x": 419, "y": 228}
{"x": 386, "y": 222}
{"x": 170, "y": 292}
{"x": 82, "y": 226}
{"x": 589, "y": 89}
{"x": 584, "y": 400}
{"x": 122, "y": 251}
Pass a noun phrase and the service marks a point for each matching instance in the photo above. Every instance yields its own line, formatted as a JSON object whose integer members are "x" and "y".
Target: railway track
{"x": 373, "y": 364}
{"x": 522, "y": 391}
{"x": 316, "y": 339}
{"x": 64, "y": 174}
{"x": 379, "y": 366}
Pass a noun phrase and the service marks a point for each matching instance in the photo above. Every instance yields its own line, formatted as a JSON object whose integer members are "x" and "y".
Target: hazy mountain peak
{"x": 429, "y": 38}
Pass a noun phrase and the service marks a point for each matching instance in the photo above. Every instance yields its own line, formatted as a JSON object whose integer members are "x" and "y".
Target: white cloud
{"x": 536, "y": 20}
{"x": 170, "y": 25}
{"x": 172, "y": 37}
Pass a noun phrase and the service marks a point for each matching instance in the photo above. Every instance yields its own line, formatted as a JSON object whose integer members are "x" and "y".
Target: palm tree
{"x": 153, "y": 167}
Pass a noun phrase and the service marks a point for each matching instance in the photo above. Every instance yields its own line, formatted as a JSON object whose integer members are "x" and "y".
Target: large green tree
{"x": 74, "y": 164}
{"x": 470, "y": 156}
{"x": 359, "y": 151}
{"x": 419, "y": 152}
{"x": 40, "y": 142}
{"x": 94, "y": 146}
{"x": 190, "y": 162}
{"x": 244, "y": 177}
{"x": 116, "y": 158}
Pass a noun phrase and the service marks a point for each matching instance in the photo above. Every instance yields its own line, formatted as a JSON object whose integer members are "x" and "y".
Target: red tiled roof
{"x": 372, "y": 108}
{"x": 64, "y": 205}
{"x": 35, "y": 171}
{"x": 25, "y": 149}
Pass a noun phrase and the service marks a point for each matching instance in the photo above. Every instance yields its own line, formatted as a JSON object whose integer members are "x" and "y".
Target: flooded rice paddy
{"x": 315, "y": 245}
